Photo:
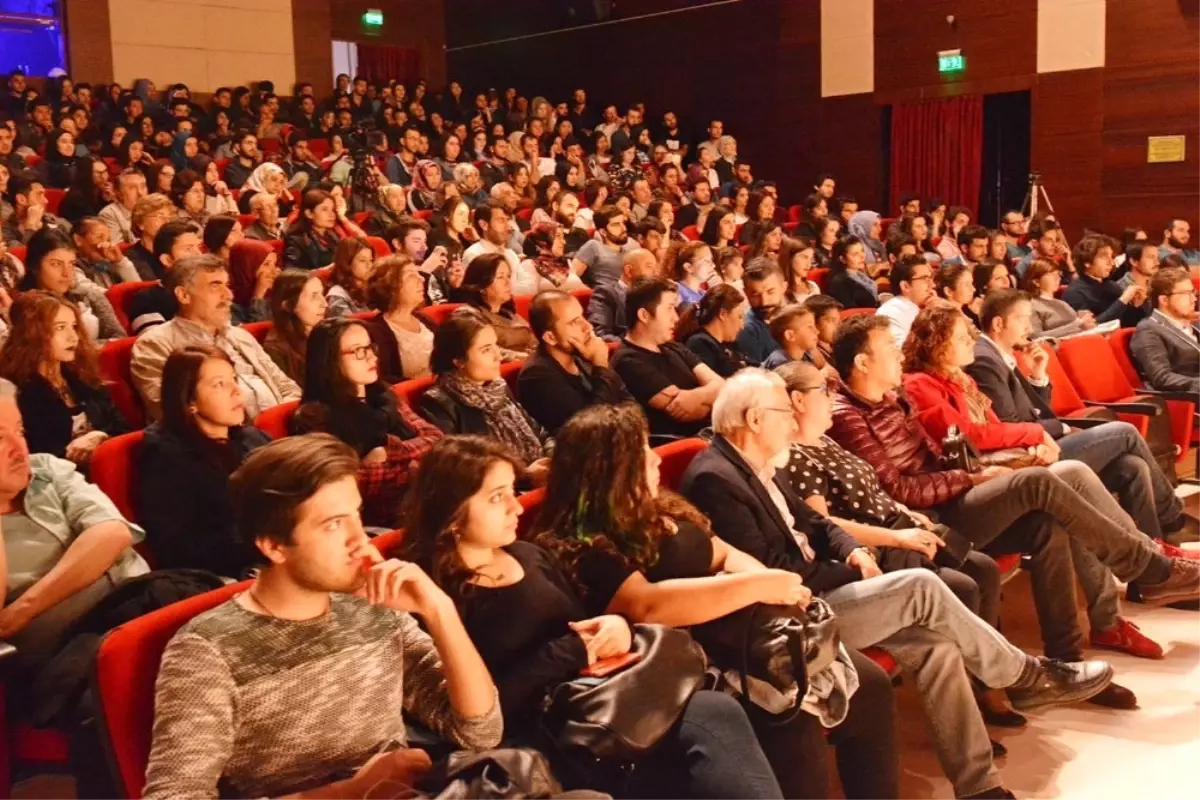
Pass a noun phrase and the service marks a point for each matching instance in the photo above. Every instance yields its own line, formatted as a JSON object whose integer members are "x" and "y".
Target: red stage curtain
{"x": 380, "y": 63}
{"x": 937, "y": 150}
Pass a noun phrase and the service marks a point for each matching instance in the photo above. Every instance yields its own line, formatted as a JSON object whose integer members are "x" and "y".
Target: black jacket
{"x": 720, "y": 484}
{"x": 849, "y": 292}
{"x": 153, "y": 305}
{"x": 305, "y": 251}
{"x": 1014, "y": 398}
{"x": 48, "y": 421}
{"x": 440, "y": 408}
{"x": 183, "y": 501}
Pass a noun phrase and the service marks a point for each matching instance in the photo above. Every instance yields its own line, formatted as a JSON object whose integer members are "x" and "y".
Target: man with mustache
{"x": 200, "y": 284}
{"x": 764, "y": 291}
{"x": 599, "y": 261}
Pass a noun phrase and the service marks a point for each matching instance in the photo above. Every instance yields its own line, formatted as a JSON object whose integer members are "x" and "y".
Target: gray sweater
{"x": 262, "y": 706}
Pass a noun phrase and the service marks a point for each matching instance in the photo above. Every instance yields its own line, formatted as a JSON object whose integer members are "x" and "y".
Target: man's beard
{"x": 619, "y": 241}
{"x": 564, "y": 221}
{"x": 1173, "y": 242}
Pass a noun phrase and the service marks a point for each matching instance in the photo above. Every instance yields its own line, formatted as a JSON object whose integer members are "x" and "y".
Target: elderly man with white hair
{"x": 910, "y": 613}
{"x": 267, "y": 226}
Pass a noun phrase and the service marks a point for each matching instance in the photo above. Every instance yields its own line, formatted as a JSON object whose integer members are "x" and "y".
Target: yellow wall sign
{"x": 1165, "y": 149}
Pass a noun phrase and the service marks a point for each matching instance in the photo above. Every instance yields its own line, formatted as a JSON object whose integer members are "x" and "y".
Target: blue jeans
{"x": 1122, "y": 459}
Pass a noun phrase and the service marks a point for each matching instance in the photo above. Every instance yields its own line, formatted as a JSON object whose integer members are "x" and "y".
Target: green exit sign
{"x": 372, "y": 17}
{"x": 952, "y": 61}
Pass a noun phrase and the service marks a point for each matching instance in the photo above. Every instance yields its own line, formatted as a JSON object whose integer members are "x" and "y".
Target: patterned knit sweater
{"x": 252, "y": 706}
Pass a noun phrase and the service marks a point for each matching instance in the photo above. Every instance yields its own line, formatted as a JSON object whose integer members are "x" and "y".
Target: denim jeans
{"x": 914, "y": 616}
{"x": 1067, "y": 503}
{"x": 1122, "y": 459}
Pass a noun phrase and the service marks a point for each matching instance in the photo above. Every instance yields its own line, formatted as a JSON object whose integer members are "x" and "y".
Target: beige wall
{"x": 203, "y": 43}
{"x": 847, "y": 47}
{"x": 1071, "y": 35}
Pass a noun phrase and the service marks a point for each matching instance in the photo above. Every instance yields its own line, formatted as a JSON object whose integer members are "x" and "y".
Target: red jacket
{"x": 941, "y": 403}
{"x": 889, "y": 437}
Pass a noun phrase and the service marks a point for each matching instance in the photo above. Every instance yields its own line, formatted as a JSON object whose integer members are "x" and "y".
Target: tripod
{"x": 1029, "y": 206}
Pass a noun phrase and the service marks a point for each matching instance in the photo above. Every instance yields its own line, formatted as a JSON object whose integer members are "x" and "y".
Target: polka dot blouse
{"x": 848, "y": 484}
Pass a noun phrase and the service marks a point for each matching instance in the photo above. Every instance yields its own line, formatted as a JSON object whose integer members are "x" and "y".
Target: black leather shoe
{"x": 999, "y": 793}
{"x": 1002, "y": 718}
{"x": 998, "y": 750}
{"x": 1061, "y": 683}
{"x": 1114, "y": 696}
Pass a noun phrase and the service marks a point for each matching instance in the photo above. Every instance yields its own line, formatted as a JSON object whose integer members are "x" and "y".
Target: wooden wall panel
{"x": 89, "y": 40}
{"x": 419, "y": 24}
{"x": 1068, "y": 121}
{"x": 997, "y": 39}
{"x": 312, "y": 32}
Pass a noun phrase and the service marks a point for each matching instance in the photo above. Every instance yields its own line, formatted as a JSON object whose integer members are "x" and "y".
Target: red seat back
{"x": 424, "y": 214}
{"x": 246, "y": 220}
{"x": 380, "y": 247}
{"x": 258, "y": 330}
{"x": 524, "y": 214}
{"x": 1093, "y": 368}
{"x": 54, "y": 198}
{"x": 126, "y": 670}
{"x": 676, "y": 457}
{"x": 325, "y": 274}
{"x": 1064, "y": 399}
{"x": 112, "y": 470}
{"x": 277, "y": 246}
{"x": 361, "y": 218}
{"x": 522, "y": 302}
{"x": 318, "y": 147}
{"x": 691, "y": 232}
{"x": 819, "y": 276}
{"x": 18, "y": 252}
{"x": 274, "y": 421}
{"x": 115, "y": 360}
{"x": 1118, "y": 342}
{"x": 793, "y": 213}
{"x": 410, "y": 391}
{"x": 121, "y": 295}
{"x": 438, "y": 314}
{"x": 222, "y": 163}
{"x": 856, "y": 312}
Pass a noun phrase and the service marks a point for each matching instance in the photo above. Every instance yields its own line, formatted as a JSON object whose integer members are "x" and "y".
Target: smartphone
{"x": 610, "y": 665}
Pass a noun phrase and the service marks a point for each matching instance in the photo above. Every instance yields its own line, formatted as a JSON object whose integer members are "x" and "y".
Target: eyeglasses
{"x": 360, "y": 352}
{"x": 823, "y": 389}
{"x": 774, "y": 408}
{"x": 1191, "y": 292}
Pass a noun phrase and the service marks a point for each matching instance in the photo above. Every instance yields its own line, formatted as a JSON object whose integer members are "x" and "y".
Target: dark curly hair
{"x": 448, "y": 475}
{"x": 930, "y": 337}
{"x": 597, "y": 496}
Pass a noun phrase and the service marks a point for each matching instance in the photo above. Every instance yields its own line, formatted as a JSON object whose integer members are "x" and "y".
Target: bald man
{"x": 606, "y": 309}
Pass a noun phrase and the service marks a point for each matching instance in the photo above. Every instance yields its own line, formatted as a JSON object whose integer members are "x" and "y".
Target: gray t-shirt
{"x": 603, "y": 265}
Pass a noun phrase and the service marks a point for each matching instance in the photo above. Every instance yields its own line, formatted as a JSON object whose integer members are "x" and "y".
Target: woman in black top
{"x": 761, "y": 211}
{"x": 90, "y": 191}
{"x": 60, "y": 160}
{"x": 65, "y": 407}
{"x": 530, "y": 628}
{"x": 710, "y": 328}
{"x": 849, "y": 283}
{"x": 312, "y": 241}
{"x": 645, "y": 553}
{"x": 344, "y": 396}
{"x": 185, "y": 462}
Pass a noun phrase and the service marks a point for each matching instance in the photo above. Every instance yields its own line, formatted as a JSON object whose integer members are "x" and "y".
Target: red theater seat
{"x": 258, "y": 330}
{"x": 121, "y": 295}
{"x": 274, "y": 421}
{"x": 115, "y": 359}
{"x": 112, "y": 470}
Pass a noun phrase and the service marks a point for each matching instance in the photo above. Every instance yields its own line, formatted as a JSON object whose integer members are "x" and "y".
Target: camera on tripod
{"x": 362, "y": 143}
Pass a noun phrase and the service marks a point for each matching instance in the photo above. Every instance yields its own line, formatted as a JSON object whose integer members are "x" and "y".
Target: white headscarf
{"x": 257, "y": 182}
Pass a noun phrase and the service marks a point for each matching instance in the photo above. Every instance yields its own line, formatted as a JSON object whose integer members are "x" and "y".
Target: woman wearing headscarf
{"x": 545, "y": 254}
{"x": 181, "y": 152}
{"x": 253, "y": 267}
{"x": 268, "y": 178}
{"x": 866, "y": 226}
{"x": 426, "y": 193}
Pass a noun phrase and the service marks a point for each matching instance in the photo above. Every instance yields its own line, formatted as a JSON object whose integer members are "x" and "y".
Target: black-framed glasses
{"x": 823, "y": 389}
{"x": 360, "y": 352}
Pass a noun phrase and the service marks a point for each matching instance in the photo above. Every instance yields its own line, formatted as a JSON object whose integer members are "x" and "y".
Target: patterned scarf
{"x": 551, "y": 267}
{"x": 978, "y": 403}
{"x": 505, "y": 419}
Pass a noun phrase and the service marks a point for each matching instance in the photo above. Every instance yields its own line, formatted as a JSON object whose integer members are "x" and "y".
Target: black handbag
{"x": 778, "y": 646}
{"x": 622, "y": 716}
{"x": 958, "y": 452}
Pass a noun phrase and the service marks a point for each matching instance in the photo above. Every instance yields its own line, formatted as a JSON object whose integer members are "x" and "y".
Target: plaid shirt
{"x": 383, "y": 485}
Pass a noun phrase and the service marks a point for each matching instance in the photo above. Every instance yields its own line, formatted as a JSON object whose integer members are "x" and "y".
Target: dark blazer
{"x": 606, "y": 311}
{"x": 183, "y": 501}
{"x": 848, "y": 292}
{"x": 305, "y": 251}
{"x": 720, "y": 483}
{"x": 48, "y": 421}
{"x": 1014, "y": 398}
{"x": 1165, "y": 356}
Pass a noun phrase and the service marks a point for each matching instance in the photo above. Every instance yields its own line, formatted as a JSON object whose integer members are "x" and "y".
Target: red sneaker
{"x": 1171, "y": 551}
{"x": 1126, "y": 637}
